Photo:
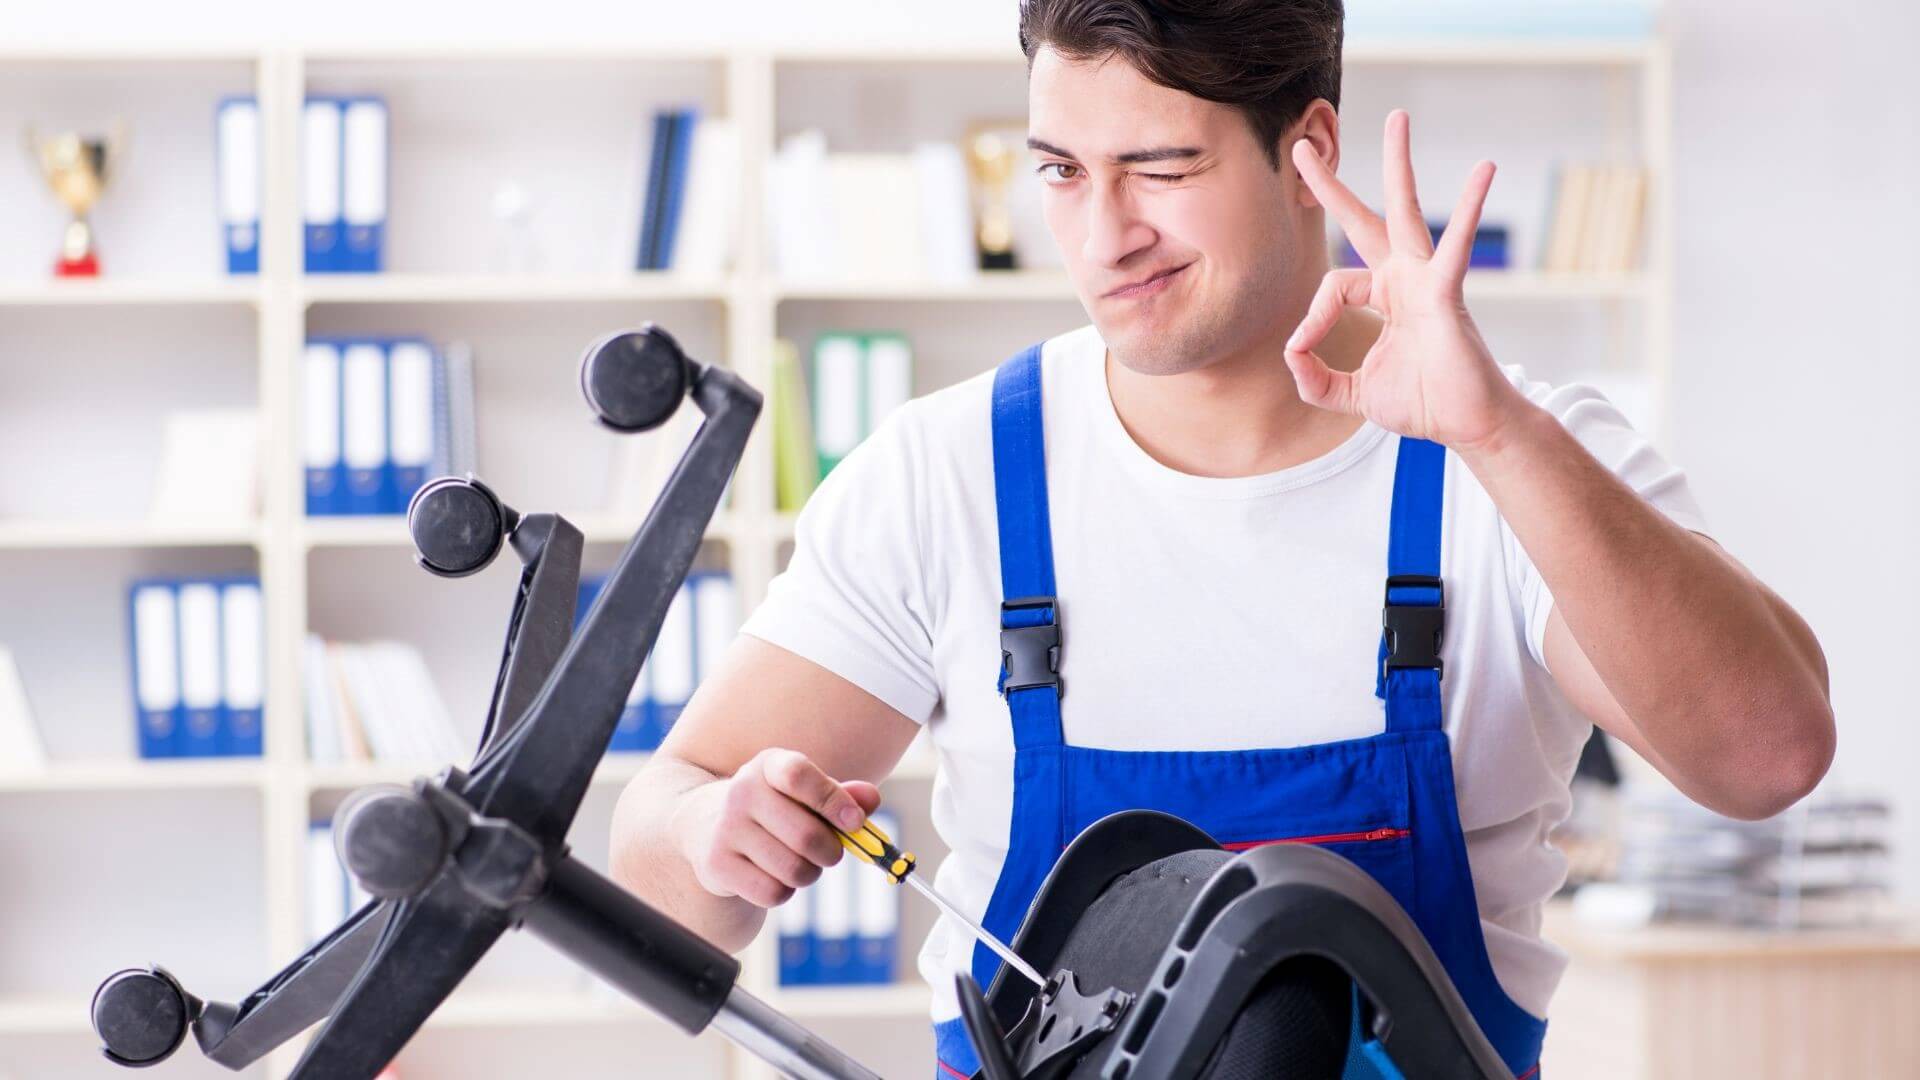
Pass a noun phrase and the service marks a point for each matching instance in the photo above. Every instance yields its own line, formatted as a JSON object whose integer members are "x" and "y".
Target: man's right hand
{"x": 755, "y": 835}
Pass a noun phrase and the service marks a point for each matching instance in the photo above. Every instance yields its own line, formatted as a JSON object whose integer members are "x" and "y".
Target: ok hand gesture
{"x": 1429, "y": 375}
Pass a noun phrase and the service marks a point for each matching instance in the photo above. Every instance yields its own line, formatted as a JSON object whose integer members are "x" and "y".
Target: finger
{"x": 797, "y": 827}
{"x": 1339, "y": 290}
{"x": 1406, "y": 226}
{"x": 790, "y": 773}
{"x": 1365, "y": 229}
{"x": 1455, "y": 251}
{"x": 1320, "y": 385}
{"x": 775, "y": 859}
{"x": 867, "y": 795}
{"x": 741, "y": 877}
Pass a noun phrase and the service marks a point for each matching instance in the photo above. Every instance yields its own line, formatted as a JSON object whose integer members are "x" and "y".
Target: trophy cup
{"x": 991, "y": 158}
{"x": 76, "y": 169}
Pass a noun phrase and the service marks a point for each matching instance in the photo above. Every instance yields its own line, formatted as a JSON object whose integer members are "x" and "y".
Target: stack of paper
{"x": 1822, "y": 863}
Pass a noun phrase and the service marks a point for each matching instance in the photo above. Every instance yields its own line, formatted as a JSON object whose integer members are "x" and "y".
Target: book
{"x": 1598, "y": 218}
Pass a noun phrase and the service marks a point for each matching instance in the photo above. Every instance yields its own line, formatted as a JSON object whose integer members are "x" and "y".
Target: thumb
{"x": 864, "y": 793}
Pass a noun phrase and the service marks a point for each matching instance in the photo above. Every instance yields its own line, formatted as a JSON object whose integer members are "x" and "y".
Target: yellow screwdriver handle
{"x": 870, "y": 844}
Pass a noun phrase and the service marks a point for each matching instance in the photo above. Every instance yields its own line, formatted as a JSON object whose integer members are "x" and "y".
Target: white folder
{"x": 836, "y": 419}
{"x": 320, "y": 182}
{"x": 200, "y": 683}
{"x": 672, "y": 657}
{"x": 716, "y": 619}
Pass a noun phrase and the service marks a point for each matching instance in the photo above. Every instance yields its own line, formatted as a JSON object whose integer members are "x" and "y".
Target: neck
{"x": 1240, "y": 415}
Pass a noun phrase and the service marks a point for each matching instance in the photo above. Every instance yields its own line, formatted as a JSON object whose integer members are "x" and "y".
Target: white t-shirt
{"x": 1198, "y": 613}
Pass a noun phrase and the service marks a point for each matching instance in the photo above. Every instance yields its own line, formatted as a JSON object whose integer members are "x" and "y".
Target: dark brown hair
{"x": 1267, "y": 58}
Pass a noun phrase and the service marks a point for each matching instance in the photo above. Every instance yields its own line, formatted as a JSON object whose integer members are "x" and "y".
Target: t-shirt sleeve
{"x": 1605, "y": 431}
{"x": 853, "y": 598}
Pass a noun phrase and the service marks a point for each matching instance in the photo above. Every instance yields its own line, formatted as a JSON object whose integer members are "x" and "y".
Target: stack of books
{"x": 199, "y": 666}
{"x": 1594, "y": 219}
{"x": 375, "y": 701}
{"x": 844, "y": 929}
{"x": 1823, "y": 863}
{"x": 382, "y": 416}
{"x": 691, "y": 204}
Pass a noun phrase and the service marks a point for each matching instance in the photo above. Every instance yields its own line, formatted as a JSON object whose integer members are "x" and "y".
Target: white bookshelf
{"x": 117, "y": 349}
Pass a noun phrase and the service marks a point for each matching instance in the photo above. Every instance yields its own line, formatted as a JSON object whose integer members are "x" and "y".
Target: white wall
{"x": 1798, "y": 233}
{"x": 1798, "y": 133}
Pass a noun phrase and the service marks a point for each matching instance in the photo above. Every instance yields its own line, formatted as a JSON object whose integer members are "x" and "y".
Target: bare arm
{"x": 715, "y": 828}
{"x": 1661, "y": 638}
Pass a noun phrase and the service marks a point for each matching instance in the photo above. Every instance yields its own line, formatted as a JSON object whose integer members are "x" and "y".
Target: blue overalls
{"x": 1385, "y": 801}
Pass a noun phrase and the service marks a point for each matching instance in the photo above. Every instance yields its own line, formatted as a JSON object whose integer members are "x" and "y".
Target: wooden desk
{"x": 1702, "y": 1002}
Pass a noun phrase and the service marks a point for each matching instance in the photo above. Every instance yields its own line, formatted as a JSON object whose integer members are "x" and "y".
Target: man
{"x": 1207, "y": 489}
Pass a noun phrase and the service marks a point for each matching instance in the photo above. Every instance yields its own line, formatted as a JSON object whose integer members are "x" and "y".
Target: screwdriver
{"x": 871, "y": 845}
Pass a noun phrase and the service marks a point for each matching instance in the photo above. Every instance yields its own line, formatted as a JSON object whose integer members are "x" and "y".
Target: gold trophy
{"x": 76, "y": 169}
{"x": 991, "y": 157}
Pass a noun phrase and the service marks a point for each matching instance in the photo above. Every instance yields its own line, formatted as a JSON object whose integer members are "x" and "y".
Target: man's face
{"x": 1202, "y": 204}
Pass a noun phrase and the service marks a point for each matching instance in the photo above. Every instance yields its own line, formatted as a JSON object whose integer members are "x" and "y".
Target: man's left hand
{"x": 1429, "y": 374}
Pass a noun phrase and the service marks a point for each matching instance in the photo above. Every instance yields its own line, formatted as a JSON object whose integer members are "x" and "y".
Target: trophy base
{"x": 998, "y": 260}
{"x": 88, "y": 266}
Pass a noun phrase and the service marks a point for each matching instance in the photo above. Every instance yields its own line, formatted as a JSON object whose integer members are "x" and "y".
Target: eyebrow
{"x": 1131, "y": 157}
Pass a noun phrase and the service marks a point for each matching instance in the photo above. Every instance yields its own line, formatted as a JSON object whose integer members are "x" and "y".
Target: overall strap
{"x": 1414, "y": 615}
{"x": 1029, "y": 609}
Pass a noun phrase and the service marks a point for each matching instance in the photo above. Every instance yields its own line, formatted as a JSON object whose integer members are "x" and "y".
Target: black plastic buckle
{"x": 1030, "y": 655}
{"x": 1414, "y": 630}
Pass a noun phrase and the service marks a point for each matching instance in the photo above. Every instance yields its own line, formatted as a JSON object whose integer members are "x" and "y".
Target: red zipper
{"x": 1326, "y": 838}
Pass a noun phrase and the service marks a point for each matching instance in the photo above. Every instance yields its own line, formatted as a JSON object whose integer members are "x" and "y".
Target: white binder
{"x": 320, "y": 124}
{"x": 243, "y": 666}
{"x": 889, "y": 378}
{"x": 410, "y": 396}
{"x": 837, "y": 396}
{"x": 320, "y": 428}
{"x": 156, "y": 669}
{"x": 363, "y": 398}
{"x": 200, "y": 683}
{"x": 716, "y": 619}
{"x": 364, "y": 183}
{"x": 237, "y": 143}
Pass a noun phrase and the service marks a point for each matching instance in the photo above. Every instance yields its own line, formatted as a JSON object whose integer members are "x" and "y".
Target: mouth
{"x": 1147, "y": 287}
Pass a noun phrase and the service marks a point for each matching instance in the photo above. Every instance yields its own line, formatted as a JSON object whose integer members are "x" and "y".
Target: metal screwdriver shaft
{"x": 871, "y": 845}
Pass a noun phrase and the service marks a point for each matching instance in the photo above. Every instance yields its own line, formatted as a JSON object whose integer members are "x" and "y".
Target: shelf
{"x": 614, "y": 770}
{"x": 55, "y": 535}
{"x": 901, "y": 999}
{"x": 394, "y": 288}
{"x": 128, "y": 292}
{"x": 180, "y": 775}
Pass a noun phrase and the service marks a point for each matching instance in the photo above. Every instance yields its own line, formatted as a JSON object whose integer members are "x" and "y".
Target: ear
{"x": 1319, "y": 125}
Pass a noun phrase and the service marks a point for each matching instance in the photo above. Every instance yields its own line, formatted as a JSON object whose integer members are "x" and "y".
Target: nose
{"x": 1114, "y": 229}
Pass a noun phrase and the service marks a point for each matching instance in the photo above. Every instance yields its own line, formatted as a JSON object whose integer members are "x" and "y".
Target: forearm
{"x": 646, "y": 860}
{"x": 1725, "y": 684}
